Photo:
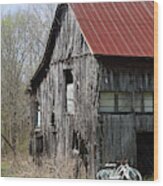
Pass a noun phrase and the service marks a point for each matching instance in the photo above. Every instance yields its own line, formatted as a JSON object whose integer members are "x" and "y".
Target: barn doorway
{"x": 145, "y": 153}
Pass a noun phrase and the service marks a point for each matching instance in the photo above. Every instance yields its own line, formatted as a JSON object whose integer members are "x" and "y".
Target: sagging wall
{"x": 116, "y": 132}
{"x": 70, "y": 52}
{"x": 51, "y": 94}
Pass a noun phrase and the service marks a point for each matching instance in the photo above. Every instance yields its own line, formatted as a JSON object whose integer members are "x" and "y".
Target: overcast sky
{"x": 12, "y": 8}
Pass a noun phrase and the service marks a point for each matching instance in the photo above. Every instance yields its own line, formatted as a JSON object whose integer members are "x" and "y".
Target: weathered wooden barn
{"x": 93, "y": 90}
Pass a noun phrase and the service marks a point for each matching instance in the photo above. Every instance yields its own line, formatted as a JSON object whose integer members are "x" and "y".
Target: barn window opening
{"x": 107, "y": 102}
{"x": 148, "y": 102}
{"x": 69, "y": 103}
{"x": 124, "y": 102}
{"x": 38, "y": 115}
{"x": 138, "y": 100}
{"x": 121, "y": 102}
{"x": 53, "y": 116}
{"x": 143, "y": 102}
{"x": 39, "y": 145}
{"x": 75, "y": 140}
{"x": 115, "y": 102}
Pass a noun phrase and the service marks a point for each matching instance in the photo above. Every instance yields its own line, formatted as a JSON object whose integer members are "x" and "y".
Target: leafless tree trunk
{"x": 23, "y": 38}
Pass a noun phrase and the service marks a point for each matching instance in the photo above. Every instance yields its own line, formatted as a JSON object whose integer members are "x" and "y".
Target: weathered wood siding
{"x": 70, "y": 41}
{"x": 116, "y": 132}
{"x": 52, "y": 90}
{"x": 70, "y": 52}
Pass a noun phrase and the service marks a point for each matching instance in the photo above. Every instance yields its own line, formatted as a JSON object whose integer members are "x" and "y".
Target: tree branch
{"x": 8, "y": 143}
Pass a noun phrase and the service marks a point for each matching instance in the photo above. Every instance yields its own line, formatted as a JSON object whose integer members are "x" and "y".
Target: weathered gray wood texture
{"x": 108, "y": 137}
{"x": 70, "y": 52}
{"x": 116, "y": 133}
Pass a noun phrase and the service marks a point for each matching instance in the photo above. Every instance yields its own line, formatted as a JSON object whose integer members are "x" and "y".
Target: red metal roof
{"x": 117, "y": 28}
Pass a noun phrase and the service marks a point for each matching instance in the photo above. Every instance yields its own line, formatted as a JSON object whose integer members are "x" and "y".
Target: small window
{"x": 39, "y": 145}
{"x": 143, "y": 102}
{"x": 138, "y": 102}
{"x": 107, "y": 102}
{"x": 69, "y": 92}
{"x": 53, "y": 114}
{"x": 75, "y": 140}
{"x": 52, "y": 119}
{"x": 124, "y": 102}
{"x": 148, "y": 102}
{"x": 70, "y": 100}
{"x": 115, "y": 102}
{"x": 38, "y": 116}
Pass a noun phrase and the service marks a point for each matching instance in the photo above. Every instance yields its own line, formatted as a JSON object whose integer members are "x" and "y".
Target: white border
{"x": 43, "y": 182}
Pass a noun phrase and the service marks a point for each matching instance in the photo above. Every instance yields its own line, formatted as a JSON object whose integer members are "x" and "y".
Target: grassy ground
{"x": 5, "y": 169}
{"x": 25, "y": 167}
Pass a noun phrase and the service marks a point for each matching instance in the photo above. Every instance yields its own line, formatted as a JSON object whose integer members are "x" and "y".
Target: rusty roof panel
{"x": 117, "y": 28}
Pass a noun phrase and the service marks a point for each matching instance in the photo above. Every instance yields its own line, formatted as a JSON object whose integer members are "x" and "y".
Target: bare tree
{"x": 23, "y": 39}
{"x": 13, "y": 57}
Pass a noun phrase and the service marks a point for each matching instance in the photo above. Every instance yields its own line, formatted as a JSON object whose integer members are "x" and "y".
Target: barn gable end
{"x": 70, "y": 41}
{"x": 71, "y": 55}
